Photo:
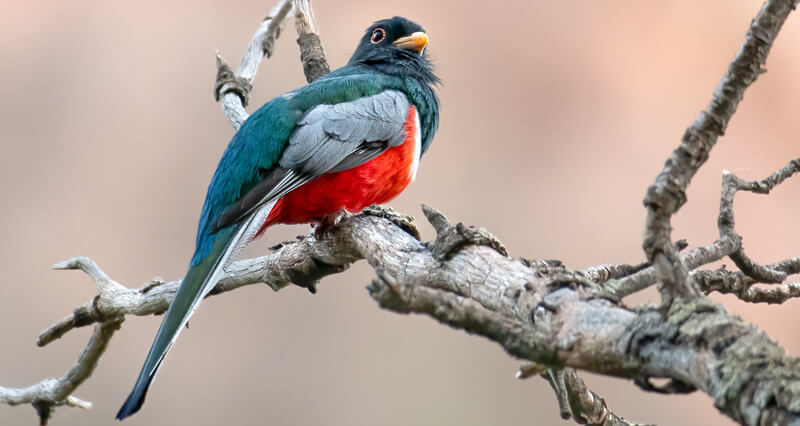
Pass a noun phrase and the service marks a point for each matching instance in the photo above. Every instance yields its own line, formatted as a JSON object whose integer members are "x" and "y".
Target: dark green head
{"x": 396, "y": 47}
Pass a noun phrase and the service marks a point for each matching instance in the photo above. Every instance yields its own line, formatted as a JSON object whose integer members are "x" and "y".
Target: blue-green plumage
{"x": 251, "y": 154}
{"x": 255, "y": 149}
{"x": 234, "y": 209}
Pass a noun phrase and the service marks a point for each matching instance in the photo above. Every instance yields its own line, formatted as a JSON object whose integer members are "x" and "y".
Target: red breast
{"x": 374, "y": 182}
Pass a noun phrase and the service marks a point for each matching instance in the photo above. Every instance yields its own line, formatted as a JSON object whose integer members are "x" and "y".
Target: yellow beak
{"x": 416, "y": 41}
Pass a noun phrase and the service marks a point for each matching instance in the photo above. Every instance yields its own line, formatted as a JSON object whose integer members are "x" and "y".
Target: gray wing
{"x": 328, "y": 138}
{"x": 341, "y": 136}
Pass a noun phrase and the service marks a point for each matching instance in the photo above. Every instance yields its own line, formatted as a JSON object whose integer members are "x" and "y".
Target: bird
{"x": 348, "y": 140}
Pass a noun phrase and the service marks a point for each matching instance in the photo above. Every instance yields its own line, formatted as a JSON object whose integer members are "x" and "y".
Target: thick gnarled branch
{"x": 547, "y": 314}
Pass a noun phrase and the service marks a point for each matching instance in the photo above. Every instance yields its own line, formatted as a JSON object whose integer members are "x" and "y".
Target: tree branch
{"x": 575, "y": 400}
{"x": 545, "y": 314}
{"x": 730, "y": 185}
{"x": 668, "y": 193}
{"x": 312, "y": 55}
{"x": 50, "y": 393}
{"x": 695, "y": 258}
{"x": 729, "y": 244}
{"x": 232, "y": 90}
{"x": 741, "y": 285}
{"x": 585, "y": 406}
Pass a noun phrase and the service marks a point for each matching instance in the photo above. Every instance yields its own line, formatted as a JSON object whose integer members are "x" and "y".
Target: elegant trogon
{"x": 348, "y": 140}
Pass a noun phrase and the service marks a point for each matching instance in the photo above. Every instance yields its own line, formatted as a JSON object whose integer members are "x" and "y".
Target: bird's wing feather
{"x": 329, "y": 138}
{"x": 360, "y": 130}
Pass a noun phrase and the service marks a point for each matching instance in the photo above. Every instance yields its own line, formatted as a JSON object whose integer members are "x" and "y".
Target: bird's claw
{"x": 405, "y": 222}
{"x": 328, "y": 222}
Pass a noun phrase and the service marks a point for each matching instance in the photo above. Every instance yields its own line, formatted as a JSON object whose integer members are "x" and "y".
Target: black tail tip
{"x": 131, "y": 405}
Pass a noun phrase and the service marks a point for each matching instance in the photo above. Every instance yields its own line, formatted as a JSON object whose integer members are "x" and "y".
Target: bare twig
{"x": 578, "y": 402}
{"x": 603, "y": 273}
{"x": 312, "y": 55}
{"x": 232, "y": 90}
{"x": 729, "y": 244}
{"x": 277, "y": 270}
{"x": 730, "y": 185}
{"x": 695, "y": 258}
{"x": 737, "y": 283}
{"x": 50, "y": 393}
{"x": 555, "y": 377}
{"x": 575, "y": 400}
{"x": 668, "y": 193}
{"x": 743, "y": 286}
{"x": 609, "y": 271}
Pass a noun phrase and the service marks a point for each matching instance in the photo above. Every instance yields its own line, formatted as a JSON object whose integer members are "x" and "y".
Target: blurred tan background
{"x": 556, "y": 116}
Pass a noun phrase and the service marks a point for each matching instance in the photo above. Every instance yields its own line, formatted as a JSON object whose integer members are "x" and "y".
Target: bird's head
{"x": 396, "y": 46}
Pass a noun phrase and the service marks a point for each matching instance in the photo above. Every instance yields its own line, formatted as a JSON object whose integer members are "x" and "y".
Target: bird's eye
{"x": 378, "y": 34}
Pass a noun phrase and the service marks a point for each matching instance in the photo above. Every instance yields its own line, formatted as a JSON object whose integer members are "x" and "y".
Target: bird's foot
{"x": 329, "y": 222}
{"x": 405, "y": 222}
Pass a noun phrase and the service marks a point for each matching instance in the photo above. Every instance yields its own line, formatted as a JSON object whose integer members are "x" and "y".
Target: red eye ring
{"x": 378, "y": 35}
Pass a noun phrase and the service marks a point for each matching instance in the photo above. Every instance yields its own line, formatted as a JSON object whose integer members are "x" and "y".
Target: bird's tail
{"x": 198, "y": 282}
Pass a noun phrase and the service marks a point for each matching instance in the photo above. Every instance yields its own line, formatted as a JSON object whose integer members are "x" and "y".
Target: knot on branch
{"x": 84, "y": 315}
{"x": 310, "y": 271}
{"x": 666, "y": 195}
{"x": 45, "y": 407}
{"x": 389, "y": 293}
{"x": 671, "y": 387}
{"x": 451, "y": 239}
{"x": 228, "y": 82}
